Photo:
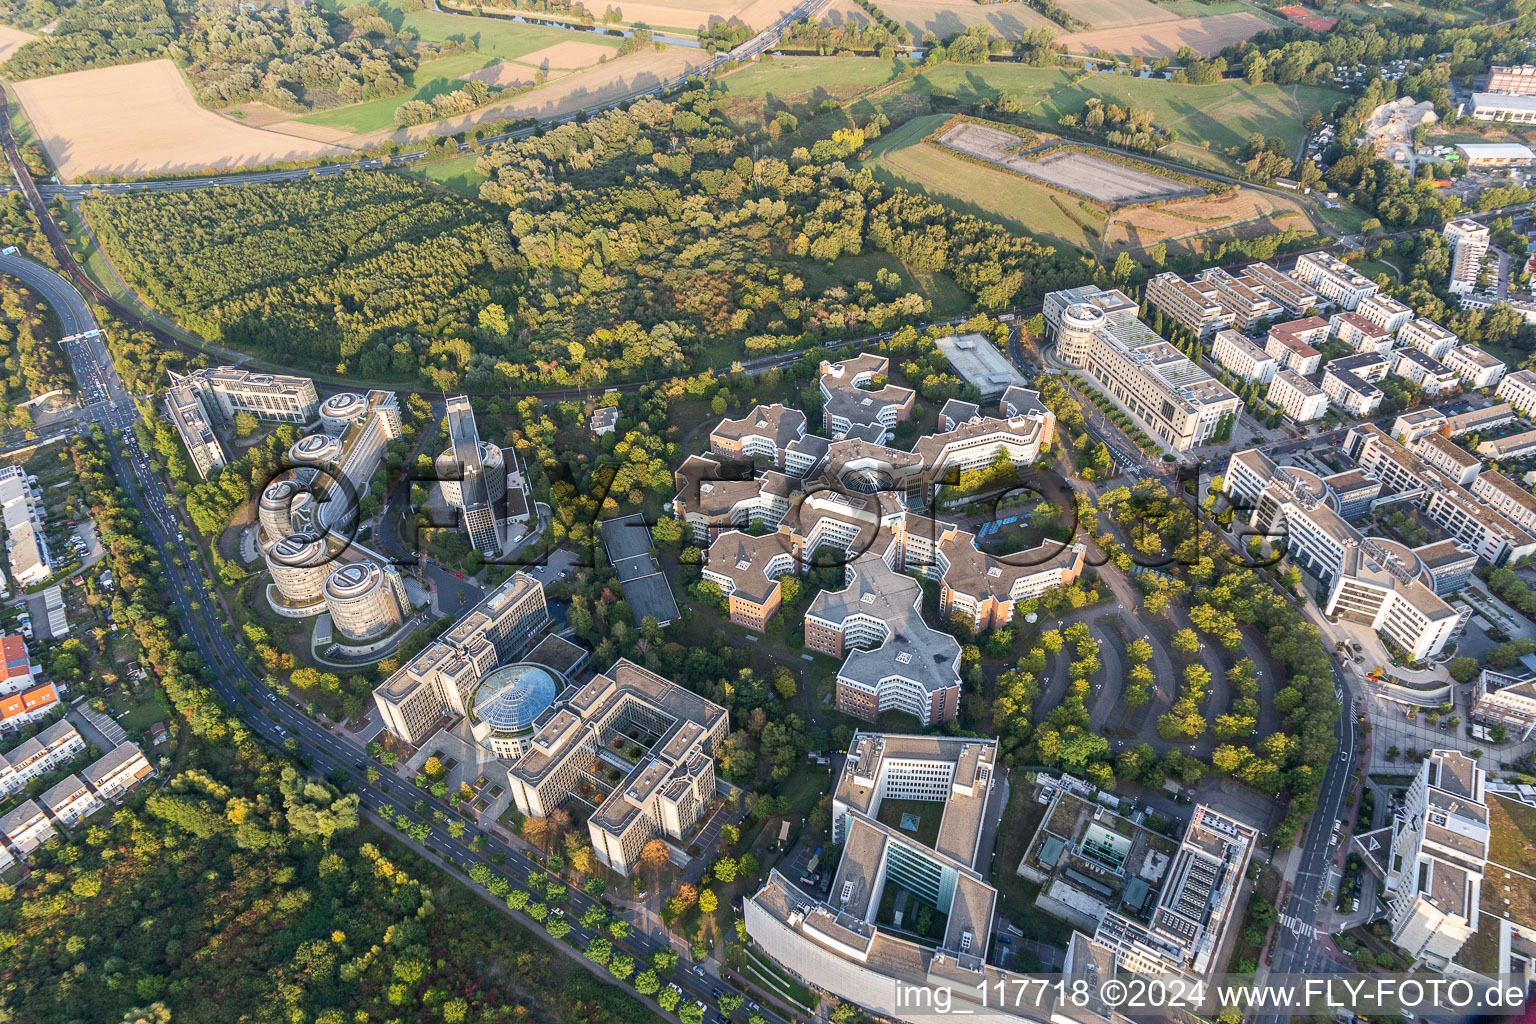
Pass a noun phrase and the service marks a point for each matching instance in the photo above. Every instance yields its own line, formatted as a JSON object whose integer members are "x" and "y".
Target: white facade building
{"x": 1242, "y": 358}
{"x": 1297, "y": 397}
{"x": 1334, "y": 280}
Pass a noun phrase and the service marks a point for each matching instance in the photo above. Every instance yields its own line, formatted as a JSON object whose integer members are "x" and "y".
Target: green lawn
{"x": 798, "y": 76}
{"x": 498, "y": 38}
{"x": 434, "y": 78}
{"x": 1346, "y": 220}
{"x": 901, "y": 158}
{"x": 947, "y": 297}
{"x": 458, "y": 174}
{"x": 1513, "y": 834}
{"x": 495, "y": 39}
{"x": 927, "y": 813}
{"x": 1223, "y": 114}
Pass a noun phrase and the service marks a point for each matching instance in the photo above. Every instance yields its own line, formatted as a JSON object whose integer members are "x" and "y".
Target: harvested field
{"x": 692, "y": 15}
{"x": 946, "y": 17}
{"x": 567, "y": 56}
{"x": 11, "y": 40}
{"x": 1194, "y": 222}
{"x": 1110, "y": 13}
{"x": 623, "y": 76}
{"x": 141, "y": 119}
{"x": 1205, "y": 36}
{"x": 502, "y": 75}
{"x": 1083, "y": 173}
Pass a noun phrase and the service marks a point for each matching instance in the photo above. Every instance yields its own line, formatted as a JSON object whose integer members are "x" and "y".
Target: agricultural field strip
{"x": 1081, "y": 173}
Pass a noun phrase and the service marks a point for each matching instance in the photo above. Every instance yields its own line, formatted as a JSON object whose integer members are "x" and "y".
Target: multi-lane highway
{"x": 1297, "y": 947}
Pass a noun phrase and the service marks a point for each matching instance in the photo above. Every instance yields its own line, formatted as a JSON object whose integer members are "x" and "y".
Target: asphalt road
{"x": 1297, "y": 950}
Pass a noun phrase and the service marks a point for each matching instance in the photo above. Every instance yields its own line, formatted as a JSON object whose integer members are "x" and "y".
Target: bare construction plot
{"x": 1075, "y": 171}
{"x": 141, "y": 119}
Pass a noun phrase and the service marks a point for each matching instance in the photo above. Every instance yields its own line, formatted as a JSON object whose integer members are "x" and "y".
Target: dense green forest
{"x": 239, "y": 889}
{"x": 295, "y": 56}
{"x": 32, "y": 360}
{"x": 628, "y": 247}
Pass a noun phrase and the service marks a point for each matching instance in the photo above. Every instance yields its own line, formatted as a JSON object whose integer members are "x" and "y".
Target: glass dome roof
{"x": 511, "y": 697}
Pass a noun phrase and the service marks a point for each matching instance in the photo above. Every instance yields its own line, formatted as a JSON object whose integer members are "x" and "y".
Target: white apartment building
{"x": 118, "y": 770}
{"x": 1515, "y": 446}
{"x": 25, "y": 542}
{"x": 1297, "y": 397}
{"x": 1242, "y": 358}
{"x": 1385, "y": 312}
{"x": 1508, "y": 498}
{"x": 197, "y": 402}
{"x": 1448, "y": 457}
{"x": 1507, "y": 700}
{"x": 1295, "y": 342}
{"x": 1428, "y": 337}
{"x": 1194, "y": 305}
{"x": 36, "y": 756}
{"x": 1427, "y": 372}
{"x": 1434, "y": 871}
{"x": 1469, "y": 243}
{"x": 1293, "y": 297}
{"x": 1350, "y": 393}
{"x": 1476, "y": 368}
{"x": 1479, "y": 528}
{"x": 26, "y": 828}
{"x": 1173, "y": 399}
{"x": 1518, "y": 389}
{"x": 70, "y": 800}
{"x": 185, "y": 410}
{"x": 1247, "y": 305}
{"x": 1334, "y": 280}
{"x": 1361, "y": 334}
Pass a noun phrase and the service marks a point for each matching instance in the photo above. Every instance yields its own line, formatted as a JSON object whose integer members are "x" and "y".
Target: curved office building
{"x": 281, "y": 504}
{"x": 315, "y": 450}
{"x": 340, "y": 411}
{"x": 366, "y": 600}
{"x": 299, "y": 565}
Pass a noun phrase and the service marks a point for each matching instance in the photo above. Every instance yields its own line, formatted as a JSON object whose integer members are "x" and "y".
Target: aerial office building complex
{"x": 197, "y": 402}
{"x": 440, "y": 680}
{"x": 1177, "y": 403}
{"x": 664, "y": 794}
{"x": 867, "y": 503}
{"x": 1437, "y": 850}
{"x": 1369, "y": 580}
